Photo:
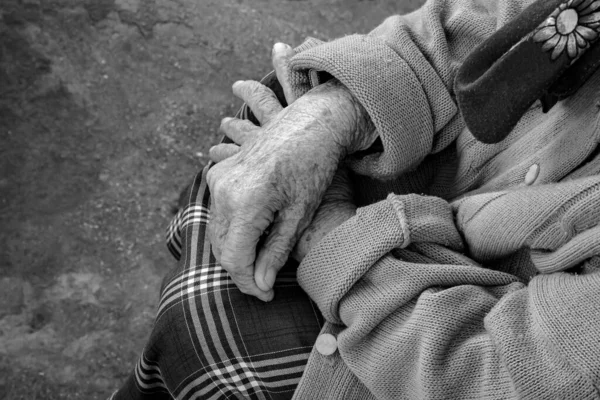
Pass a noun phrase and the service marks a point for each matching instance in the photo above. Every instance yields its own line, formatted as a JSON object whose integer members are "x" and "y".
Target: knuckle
{"x": 210, "y": 178}
{"x": 232, "y": 125}
{"x": 233, "y": 197}
{"x": 279, "y": 246}
{"x": 280, "y": 256}
{"x": 280, "y": 250}
{"x": 236, "y": 126}
{"x": 260, "y": 91}
{"x": 242, "y": 125}
{"x": 229, "y": 149}
{"x": 265, "y": 102}
{"x": 216, "y": 181}
{"x": 255, "y": 86}
{"x": 231, "y": 263}
{"x": 237, "y": 244}
{"x": 221, "y": 152}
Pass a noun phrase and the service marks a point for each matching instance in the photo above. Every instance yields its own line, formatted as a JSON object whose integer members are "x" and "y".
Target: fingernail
{"x": 236, "y": 83}
{"x": 262, "y": 284}
{"x": 279, "y": 47}
{"x": 270, "y": 295}
{"x": 269, "y": 278}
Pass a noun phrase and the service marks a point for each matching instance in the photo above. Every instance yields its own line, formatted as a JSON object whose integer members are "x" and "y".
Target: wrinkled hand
{"x": 276, "y": 179}
{"x": 336, "y": 207}
{"x": 239, "y": 130}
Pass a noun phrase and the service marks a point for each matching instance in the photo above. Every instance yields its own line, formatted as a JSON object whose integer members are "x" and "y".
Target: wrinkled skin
{"x": 336, "y": 208}
{"x": 278, "y": 176}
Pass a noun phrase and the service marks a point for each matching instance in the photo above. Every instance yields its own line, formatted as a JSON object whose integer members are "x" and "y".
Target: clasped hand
{"x": 271, "y": 185}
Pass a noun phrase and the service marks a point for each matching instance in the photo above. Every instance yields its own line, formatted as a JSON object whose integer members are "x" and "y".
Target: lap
{"x": 210, "y": 341}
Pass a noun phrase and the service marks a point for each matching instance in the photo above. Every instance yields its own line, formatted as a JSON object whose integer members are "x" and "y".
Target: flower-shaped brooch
{"x": 572, "y": 27}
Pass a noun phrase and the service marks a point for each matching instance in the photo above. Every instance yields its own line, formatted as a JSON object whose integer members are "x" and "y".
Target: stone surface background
{"x": 107, "y": 109}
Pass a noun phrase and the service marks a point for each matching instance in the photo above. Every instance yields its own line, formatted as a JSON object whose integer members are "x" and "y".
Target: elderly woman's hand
{"x": 336, "y": 207}
{"x": 277, "y": 179}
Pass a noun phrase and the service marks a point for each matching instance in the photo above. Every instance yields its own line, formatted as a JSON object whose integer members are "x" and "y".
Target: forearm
{"x": 402, "y": 74}
{"x": 347, "y": 120}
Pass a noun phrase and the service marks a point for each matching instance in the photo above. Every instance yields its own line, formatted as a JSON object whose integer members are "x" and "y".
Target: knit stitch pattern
{"x": 455, "y": 279}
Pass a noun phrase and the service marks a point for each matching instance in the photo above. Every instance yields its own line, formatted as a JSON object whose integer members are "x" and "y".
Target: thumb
{"x": 276, "y": 250}
{"x": 282, "y": 54}
{"x": 239, "y": 253}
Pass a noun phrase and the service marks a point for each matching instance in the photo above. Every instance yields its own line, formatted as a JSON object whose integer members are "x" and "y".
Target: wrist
{"x": 343, "y": 117}
{"x": 328, "y": 220}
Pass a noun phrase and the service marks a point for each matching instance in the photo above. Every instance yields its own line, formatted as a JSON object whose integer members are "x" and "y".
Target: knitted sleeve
{"x": 416, "y": 319}
{"x": 557, "y": 222}
{"x": 402, "y": 73}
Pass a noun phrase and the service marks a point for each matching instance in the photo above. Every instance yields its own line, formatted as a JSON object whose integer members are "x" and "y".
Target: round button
{"x": 326, "y": 344}
{"x": 532, "y": 174}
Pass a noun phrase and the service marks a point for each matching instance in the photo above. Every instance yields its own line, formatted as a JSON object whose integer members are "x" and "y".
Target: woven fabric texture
{"x": 209, "y": 340}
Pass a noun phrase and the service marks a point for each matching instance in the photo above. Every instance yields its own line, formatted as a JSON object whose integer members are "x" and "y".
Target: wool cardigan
{"x": 470, "y": 271}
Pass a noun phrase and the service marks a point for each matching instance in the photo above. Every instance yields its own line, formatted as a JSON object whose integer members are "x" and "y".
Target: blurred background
{"x": 107, "y": 110}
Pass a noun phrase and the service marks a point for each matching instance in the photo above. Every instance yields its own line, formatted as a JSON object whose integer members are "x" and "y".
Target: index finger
{"x": 239, "y": 253}
{"x": 262, "y": 101}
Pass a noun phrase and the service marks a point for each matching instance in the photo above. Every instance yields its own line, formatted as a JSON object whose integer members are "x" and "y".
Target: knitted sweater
{"x": 486, "y": 283}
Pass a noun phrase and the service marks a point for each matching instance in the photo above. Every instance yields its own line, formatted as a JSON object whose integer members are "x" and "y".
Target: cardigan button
{"x": 326, "y": 344}
{"x": 532, "y": 174}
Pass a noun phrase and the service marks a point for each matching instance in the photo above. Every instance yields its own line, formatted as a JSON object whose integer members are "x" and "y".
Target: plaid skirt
{"x": 209, "y": 340}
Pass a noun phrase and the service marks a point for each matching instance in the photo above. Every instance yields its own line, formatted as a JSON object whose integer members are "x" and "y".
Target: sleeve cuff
{"x": 406, "y": 109}
{"x": 340, "y": 259}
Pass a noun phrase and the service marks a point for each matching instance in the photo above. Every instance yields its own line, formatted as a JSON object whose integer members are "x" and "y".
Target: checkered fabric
{"x": 209, "y": 340}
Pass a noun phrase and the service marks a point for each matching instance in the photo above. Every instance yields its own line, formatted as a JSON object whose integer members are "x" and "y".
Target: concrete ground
{"x": 107, "y": 109}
